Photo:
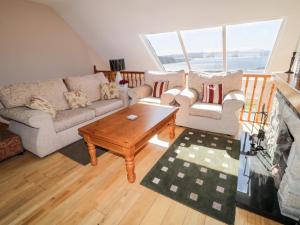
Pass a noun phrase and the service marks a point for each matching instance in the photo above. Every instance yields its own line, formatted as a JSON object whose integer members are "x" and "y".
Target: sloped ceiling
{"x": 114, "y": 27}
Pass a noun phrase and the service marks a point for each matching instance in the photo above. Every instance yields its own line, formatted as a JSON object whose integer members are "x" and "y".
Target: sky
{"x": 258, "y": 35}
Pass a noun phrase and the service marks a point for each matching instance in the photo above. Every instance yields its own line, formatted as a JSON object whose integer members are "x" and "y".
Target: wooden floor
{"x": 57, "y": 190}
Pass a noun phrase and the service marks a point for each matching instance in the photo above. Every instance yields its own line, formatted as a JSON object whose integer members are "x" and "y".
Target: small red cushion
{"x": 159, "y": 87}
{"x": 213, "y": 93}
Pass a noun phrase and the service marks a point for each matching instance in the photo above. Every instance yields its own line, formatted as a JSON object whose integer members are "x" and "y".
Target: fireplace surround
{"x": 283, "y": 147}
{"x": 269, "y": 182}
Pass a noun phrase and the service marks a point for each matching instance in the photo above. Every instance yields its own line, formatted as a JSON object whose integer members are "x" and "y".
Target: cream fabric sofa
{"x": 192, "y": 112}
{"x": 211, "y": 117}
{"x": 144, "y": 92}
{"x": 41, "y": 134}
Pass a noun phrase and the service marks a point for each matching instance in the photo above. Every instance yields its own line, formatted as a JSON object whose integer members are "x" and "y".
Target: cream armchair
{"x": 217, "y": 118}
{"x": 144, "y": 92}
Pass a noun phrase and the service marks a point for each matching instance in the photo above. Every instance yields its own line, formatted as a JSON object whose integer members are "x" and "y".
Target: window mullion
{"x": 224, "y": 48}
{"x": 153, "y": 53}
{"x": 184, "y": 51}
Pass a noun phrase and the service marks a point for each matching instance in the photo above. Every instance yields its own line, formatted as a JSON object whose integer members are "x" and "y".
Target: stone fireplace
{"x": 283, "y": 148}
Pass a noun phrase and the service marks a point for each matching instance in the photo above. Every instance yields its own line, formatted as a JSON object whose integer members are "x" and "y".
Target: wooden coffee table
{"x": 126, "y": 137}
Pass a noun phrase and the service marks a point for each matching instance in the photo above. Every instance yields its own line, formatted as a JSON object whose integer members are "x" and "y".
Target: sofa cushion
{"x": 30, "y": 117}
{"x": 104, "y": 106}
{"x": 89, "y": 84}
{"x": 176, "y": 79}
{"x": 69, "y": 118}
{"x": 151, "y": 100}
{"x": 206, "y": 109}
{"x": 19, "y": 94}
{"x": 231, "y": 81}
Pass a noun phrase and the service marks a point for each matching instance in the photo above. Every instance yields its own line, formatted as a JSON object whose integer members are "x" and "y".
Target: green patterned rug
{"x": 199, "y": 170}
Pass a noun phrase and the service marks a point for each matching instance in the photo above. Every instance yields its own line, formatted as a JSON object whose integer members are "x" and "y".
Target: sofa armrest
{"x": 233, "y": 101}
{"x": 169, "y": 96}
{"x": 30, "y": 117}
{"x": 187, "y": 97}
{"x": 139, "y": 92}
{"x": 124, "y": 96}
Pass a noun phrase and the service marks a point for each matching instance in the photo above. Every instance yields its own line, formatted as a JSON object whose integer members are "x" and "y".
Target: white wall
{"x": 37, "y": 44}
{"x": 113, "y": 27}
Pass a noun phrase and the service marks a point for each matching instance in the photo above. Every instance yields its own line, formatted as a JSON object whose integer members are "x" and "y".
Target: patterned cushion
{"x": 159, "y": 87}
{"x": 109, "y": 91}
{"x": 88, "y": 84}
{"x": 42, "y": 105}
{"x": 114, "y": 90}
{"x": 77, "y": 99}
{"x": 213, "y": 93}
{"x": 19, "y": 94}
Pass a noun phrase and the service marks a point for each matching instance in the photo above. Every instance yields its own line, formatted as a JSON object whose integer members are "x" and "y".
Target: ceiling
{"x": 114, "y": 27}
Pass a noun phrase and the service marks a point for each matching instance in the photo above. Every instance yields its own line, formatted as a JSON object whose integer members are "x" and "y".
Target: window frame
{"x": 224, "y": 46}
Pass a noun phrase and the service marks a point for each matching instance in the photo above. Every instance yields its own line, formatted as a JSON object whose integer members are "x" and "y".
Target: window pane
{"x": 249, "y": 45}
{"x": 204, "y": 48}
{"x": 168, "y": 50}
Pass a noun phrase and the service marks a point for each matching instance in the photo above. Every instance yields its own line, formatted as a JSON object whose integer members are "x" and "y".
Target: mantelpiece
{"x": 289, "y": 86}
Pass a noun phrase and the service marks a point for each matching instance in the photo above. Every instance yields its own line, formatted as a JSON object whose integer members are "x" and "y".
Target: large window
{"x": 243, "y": 46}
{"x": 249, "y": 45}
{"x": 204, "y": 49}
{"x": 168, "y": 50}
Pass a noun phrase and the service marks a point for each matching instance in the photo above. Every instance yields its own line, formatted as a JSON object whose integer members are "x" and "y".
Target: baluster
{"x": 245, "y": 94}
{"x": 270, "y": 97}
{"x": 140, "y": 77}
{"x": 252, "y": 100}
{"x": 131, "y": 81}
{"x": 136, "y": 79}
{"x": 261, "y": 97}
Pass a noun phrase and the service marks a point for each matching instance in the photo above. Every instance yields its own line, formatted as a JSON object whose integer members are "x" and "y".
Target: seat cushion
{"x": 150, "y": 99}
{"x": 206, "y": 109}
{"x": 104, "y": 106}
{"x": 69, "y": 118}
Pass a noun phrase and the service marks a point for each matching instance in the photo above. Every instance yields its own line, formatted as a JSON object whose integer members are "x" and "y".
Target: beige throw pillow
{"x": 41, "y": 104}
{"x": 77, "y": 99}
{"x": 110, "y": 91}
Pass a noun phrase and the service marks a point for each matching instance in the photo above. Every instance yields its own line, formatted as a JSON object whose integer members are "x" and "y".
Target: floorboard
{"x": 57, "y": 190}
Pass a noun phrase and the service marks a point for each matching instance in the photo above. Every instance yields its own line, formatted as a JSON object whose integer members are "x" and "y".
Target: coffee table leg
{"x": 172, "y": 127}
{"x": 92, "y": 150}
{"x": 130, "y": 164}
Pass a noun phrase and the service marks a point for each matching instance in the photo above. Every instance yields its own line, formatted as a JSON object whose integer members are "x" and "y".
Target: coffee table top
{"x": 116, "y": 128}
